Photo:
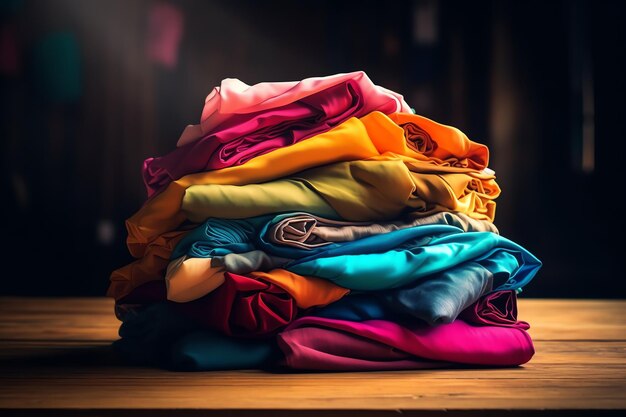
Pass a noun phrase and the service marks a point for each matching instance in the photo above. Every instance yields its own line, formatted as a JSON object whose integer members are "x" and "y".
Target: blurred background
{"x": 89, "y": 89}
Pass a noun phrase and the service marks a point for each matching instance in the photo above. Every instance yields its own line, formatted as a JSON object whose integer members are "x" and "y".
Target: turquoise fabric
{"x": 436, "y": 299}
{"x": 399, "y": 258}
{"x": 377, "y": 262}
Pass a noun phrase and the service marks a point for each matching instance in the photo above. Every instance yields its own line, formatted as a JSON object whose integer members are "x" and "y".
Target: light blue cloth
{"x": 398, "y": 258}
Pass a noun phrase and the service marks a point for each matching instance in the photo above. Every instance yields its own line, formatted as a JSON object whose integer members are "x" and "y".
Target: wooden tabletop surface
{"x": 55, "y": 360}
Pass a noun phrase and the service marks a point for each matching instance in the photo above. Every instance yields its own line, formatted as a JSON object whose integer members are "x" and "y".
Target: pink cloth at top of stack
{"x": 240, "y": 122}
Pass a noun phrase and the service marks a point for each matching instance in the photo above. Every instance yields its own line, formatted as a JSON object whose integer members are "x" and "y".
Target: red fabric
{"x": 243, "y": 306}
{"x": 496, "y": 309}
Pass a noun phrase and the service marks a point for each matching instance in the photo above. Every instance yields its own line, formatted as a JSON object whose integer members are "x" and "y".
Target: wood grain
{"x": 55, "y": 360}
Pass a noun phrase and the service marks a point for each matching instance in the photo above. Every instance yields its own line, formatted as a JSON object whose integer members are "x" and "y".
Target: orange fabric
{"x": 452, "y": 147}
{"x": 306, "y": 291}
{"x": 188, "y": 279}
{"x": 149, "y": 268}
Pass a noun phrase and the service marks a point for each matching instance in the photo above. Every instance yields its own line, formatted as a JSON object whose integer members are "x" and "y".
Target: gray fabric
{"x": 244, "y": 263}
{"x": 308, "y": 231}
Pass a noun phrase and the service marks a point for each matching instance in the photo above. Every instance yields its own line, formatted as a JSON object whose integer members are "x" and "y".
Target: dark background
{"x": 540, "y": 82}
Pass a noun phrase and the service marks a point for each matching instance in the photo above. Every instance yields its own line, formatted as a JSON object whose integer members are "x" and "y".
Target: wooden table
{"x": 55, "y": 360}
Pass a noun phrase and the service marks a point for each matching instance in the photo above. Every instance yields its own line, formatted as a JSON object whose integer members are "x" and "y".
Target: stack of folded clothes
{"x": 320, "y": 225}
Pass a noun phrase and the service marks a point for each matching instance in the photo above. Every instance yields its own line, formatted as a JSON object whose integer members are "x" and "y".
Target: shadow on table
{"x": 21, "y": 358}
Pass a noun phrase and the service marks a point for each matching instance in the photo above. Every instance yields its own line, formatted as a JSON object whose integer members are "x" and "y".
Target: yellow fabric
{"x": 380, "y": 188}
{"x": 188, "y": 279}
{"x": 356, "y": 190}
{"x": 472, "y": 193}
{"x": 242, "y": 201}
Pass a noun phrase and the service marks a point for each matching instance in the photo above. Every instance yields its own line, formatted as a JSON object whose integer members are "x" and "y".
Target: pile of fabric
{"x": 320, "y": 225}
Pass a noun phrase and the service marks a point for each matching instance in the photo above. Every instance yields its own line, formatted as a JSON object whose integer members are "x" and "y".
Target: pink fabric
{"x": 242, "y": 123}
{"x": 236, "y": 97}
{"x": 320, "y": 349}
{"x": 457, "y": 342}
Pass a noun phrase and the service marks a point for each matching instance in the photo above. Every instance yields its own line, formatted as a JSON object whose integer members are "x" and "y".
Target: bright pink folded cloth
{"x": 458, "y": 342}
{"x": 320, "y": 349}
{"x": 242, "y": 123}
{"x": 236, "y": 97}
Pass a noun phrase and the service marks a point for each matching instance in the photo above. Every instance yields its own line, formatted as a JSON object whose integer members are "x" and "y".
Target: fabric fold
{"x": 404, "y": 256}
{"x": 307, "y": 231}
{"x": 234, "y": 97}
{"x": 370, "y": 190}
{"x": 457, "y": 342}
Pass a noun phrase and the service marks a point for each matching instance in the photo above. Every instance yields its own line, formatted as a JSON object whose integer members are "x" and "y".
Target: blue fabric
{"x": 436, "y": 299}
{"x": 386, "y": 261}
{"x": 358, "y": 307}
{"x": 219, "y": 237}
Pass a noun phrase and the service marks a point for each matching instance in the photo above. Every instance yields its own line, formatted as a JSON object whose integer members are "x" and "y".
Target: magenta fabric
{"x": 458, "y": 342}
{"x": 320, "y": 349}
{"x": 234, "y": 97}
{"x": 242, "y": 137}
{"x": 495, "y": 309}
